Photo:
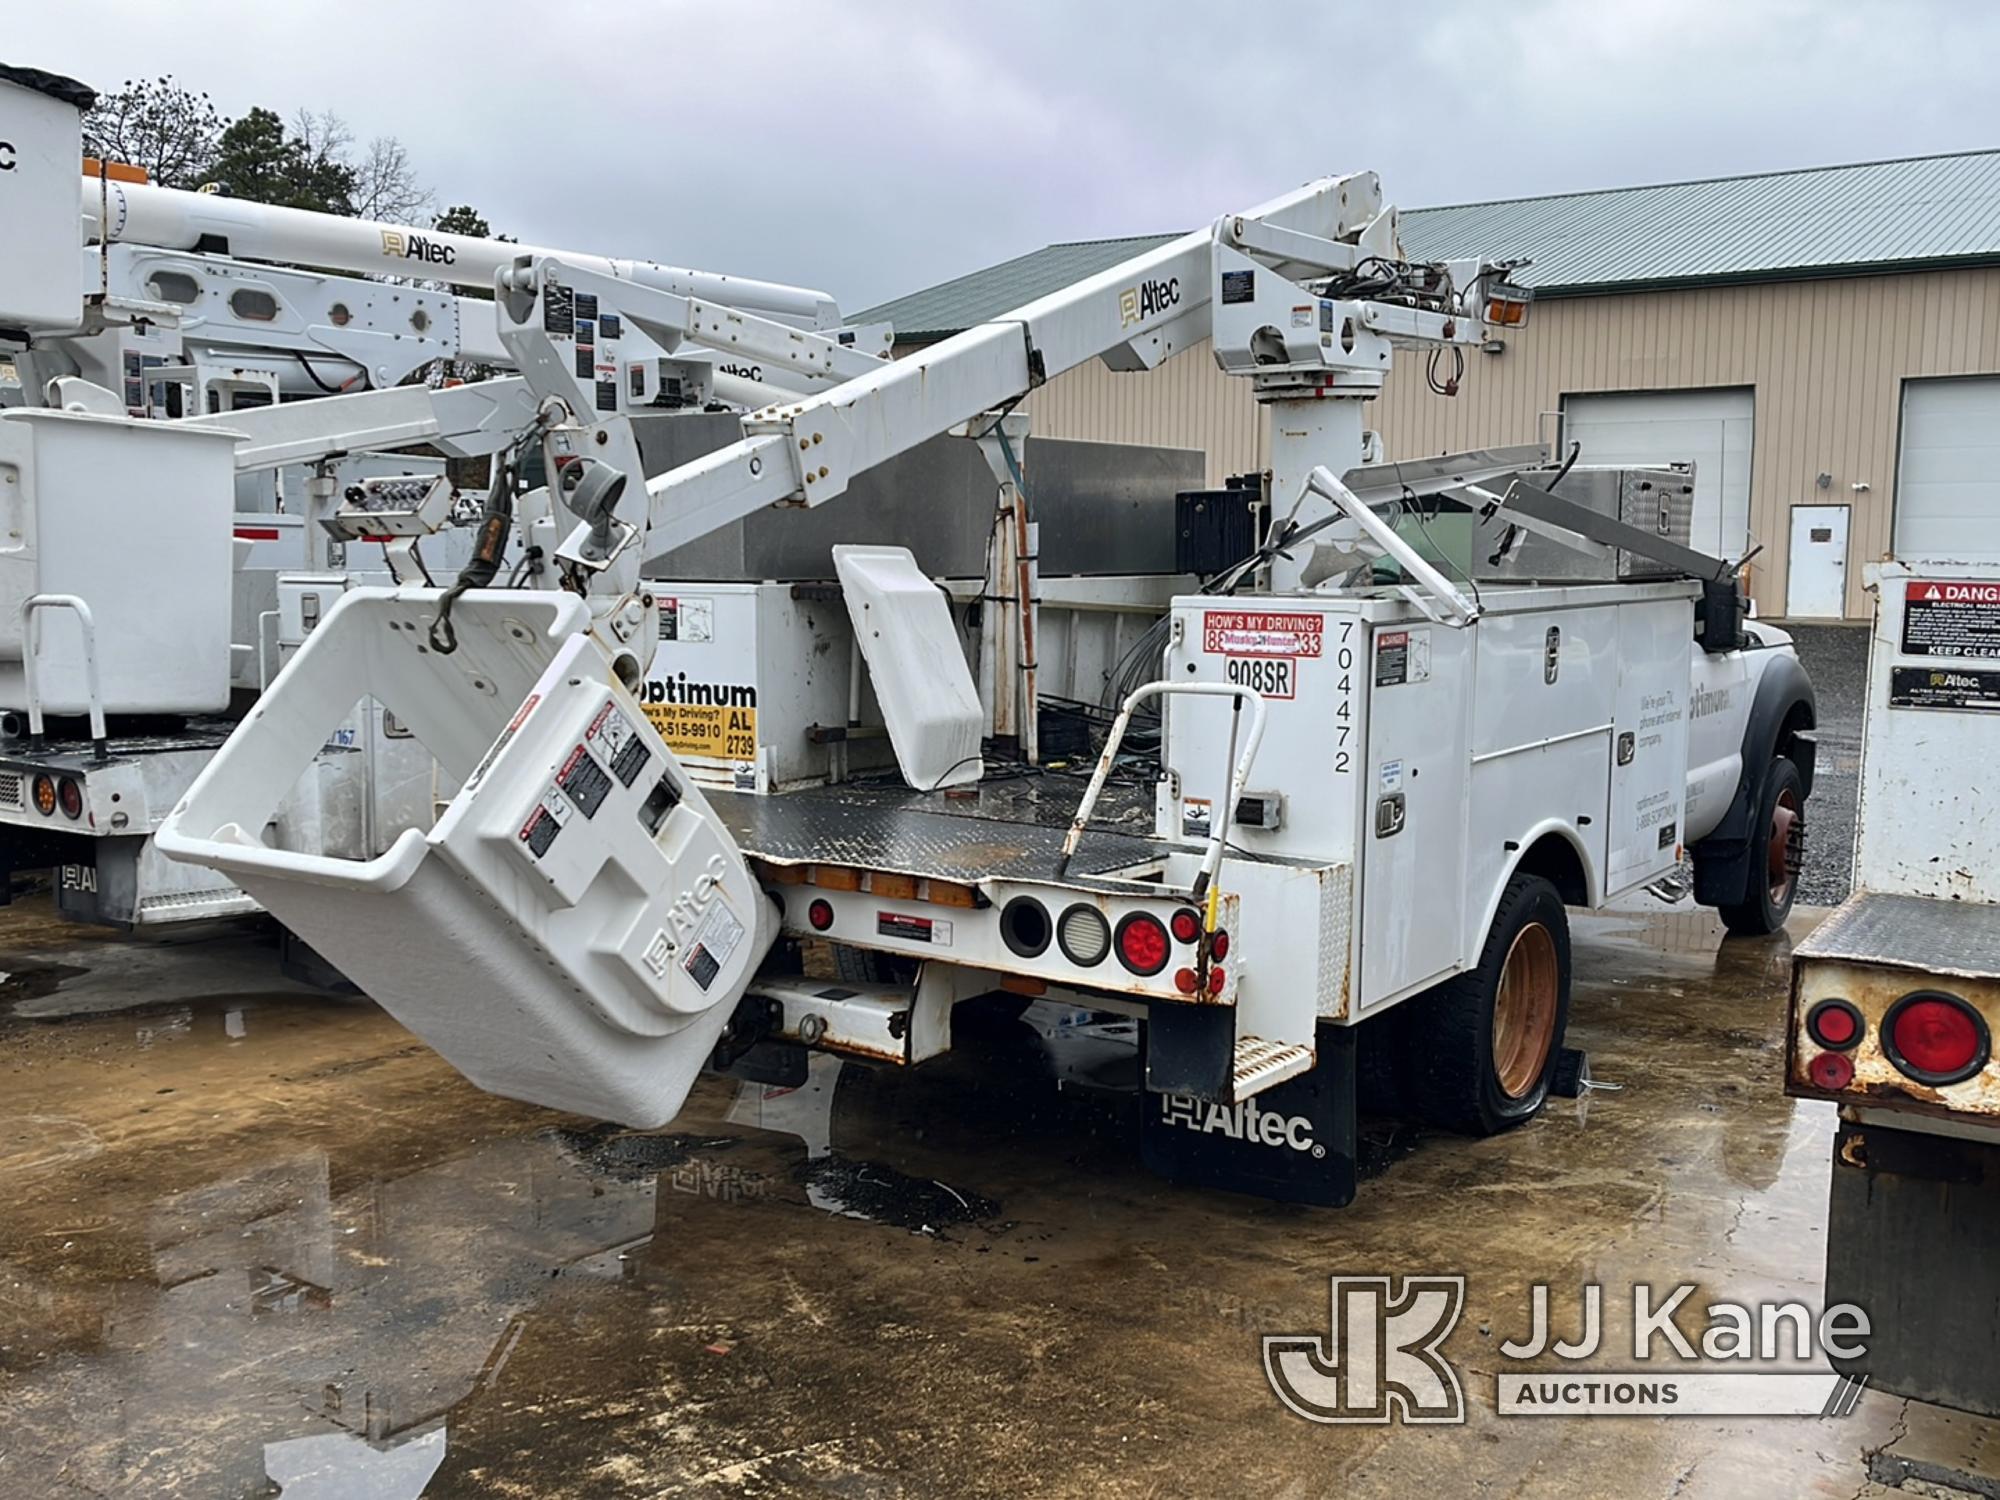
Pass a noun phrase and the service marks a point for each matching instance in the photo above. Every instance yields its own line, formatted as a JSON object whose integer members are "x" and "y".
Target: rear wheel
{"x": 1482, "y": 1045}
{"x": 1775, "y": 857}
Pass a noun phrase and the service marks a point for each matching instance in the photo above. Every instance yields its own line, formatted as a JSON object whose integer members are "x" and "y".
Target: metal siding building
{"x": 1828, "y": 305}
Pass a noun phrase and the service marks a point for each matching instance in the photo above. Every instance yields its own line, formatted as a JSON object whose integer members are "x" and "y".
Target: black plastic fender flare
{"x": 1722, "y": 860}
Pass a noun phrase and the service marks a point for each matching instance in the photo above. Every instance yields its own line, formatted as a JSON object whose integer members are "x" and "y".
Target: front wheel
{"x": 1482, "y": 1045}
{"x": 1774, "y": 855}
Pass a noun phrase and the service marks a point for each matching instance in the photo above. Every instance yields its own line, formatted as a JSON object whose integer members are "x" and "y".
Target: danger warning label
{"x": 1947, "y": 617}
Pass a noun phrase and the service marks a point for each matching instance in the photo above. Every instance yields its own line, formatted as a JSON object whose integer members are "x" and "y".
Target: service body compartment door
{"x": 1649, "y": 742}
{"x": 1413, "y": 842}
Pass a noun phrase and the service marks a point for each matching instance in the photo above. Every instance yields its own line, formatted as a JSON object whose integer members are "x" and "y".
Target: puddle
{"x": 883, "y": 1195}
{"x": 32, "y": 981}
{"x": 635, "y": 1156}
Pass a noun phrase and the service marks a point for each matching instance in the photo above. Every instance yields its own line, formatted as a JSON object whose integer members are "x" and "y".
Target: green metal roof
{"x": 1918, "y": 213}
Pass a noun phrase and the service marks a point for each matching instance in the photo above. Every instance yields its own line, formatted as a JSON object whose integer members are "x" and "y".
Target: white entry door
{"x": 1816, "y": 587}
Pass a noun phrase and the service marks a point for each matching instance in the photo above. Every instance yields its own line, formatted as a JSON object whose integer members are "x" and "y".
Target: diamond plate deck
{"x": 1009, "y": 831}
{"x": 1911, "y": 932}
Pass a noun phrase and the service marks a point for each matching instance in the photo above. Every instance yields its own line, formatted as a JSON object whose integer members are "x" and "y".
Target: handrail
{"x": 1239, "y": 778}
{"x": 31, "y": 645}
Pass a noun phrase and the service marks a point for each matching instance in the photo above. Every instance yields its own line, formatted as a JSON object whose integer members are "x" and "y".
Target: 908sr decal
{"x": 1273, "y": 676}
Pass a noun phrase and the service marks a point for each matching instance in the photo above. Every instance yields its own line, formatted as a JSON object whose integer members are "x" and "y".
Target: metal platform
{"x": 1911, "y": 932}
{"x": 69, "y": 752}
{"x": 1010, "y": 829}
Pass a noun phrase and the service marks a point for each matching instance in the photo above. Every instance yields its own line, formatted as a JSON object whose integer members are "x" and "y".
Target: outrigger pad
{"x": 1295, "y": 1142}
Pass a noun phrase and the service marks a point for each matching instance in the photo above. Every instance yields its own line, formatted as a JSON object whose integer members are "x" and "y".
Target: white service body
{"x": 109, "y": 509}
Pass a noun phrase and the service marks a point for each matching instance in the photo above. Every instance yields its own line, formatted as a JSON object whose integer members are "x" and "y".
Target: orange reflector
{"x": 1022, "y": 984}
{"x": 117, "y": 171}
{"x": 1506, "y": 313}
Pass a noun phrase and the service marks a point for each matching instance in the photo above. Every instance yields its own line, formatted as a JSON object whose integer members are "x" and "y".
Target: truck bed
{"x": 73, "y": 753}
{"x": 1011, "y": 829}
{"x": 1910, "y": 932}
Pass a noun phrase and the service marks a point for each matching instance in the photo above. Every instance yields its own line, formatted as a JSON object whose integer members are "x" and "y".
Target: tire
{"x": 869, "y": 966}
{"x": 1467, "y": 1074}
{"x": 1774, "y": 873}
{"x": 1377, "y": 1079}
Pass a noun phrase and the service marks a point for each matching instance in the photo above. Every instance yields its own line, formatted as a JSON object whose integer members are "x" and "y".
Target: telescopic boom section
{"x": 1133, "y": 316}
{"x": 171, "y": 219}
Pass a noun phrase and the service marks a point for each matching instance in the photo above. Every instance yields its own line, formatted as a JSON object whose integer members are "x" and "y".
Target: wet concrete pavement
{"x": 1836, "y": 659}
{"x": 259, "y": 1241}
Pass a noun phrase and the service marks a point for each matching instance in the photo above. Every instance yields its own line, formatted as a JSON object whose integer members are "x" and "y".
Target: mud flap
{"x": 1294, "y": 1143}
{"x": 1911, "y": 1225}
{"x": 577, "y": 928}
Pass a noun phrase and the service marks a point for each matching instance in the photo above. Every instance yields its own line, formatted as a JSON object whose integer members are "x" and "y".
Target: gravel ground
{"x": 1836, "y": 658}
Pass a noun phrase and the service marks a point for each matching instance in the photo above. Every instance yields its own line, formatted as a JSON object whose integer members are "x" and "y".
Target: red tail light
{"x": 1935, "y": 1038}
{"x": 1218, "y": 945}
{"x": 70, "y": 795}
{"x": 1186, "y": 981}
{"x": 1835, "y": 1024}
{"x": 1187, "y": 926}
{"x": 1216, "y": 979}
{"x": 1142, "y": 944}
{"x": 820, "y": 914}
{"x": 1832, "y": 1071}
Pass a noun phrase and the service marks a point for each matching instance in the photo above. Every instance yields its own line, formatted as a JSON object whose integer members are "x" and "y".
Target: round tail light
{"x": 1218, "y": 944}
{"x": 70, "y": 795}
{"x": 1141, "y": 941}
{"x": 1186, "y": 925}
{"x": 1935, "y": 1038}
{"x": 45, "y": 796}
{"x": 1217, "y": 978}
{"x": 1186, "y": 981}
{"x": 1835, "y": 1024}
{"x": 1832, "y": 1071}
{"x": 1084, "y": 936}
{"x": 820, "y": 914}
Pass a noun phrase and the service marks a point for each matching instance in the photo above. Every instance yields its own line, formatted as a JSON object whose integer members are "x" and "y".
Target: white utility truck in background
{"x": 1412, "y": 715}
{"x": 126, "y": 616}
{"x": 1896, "y": 998}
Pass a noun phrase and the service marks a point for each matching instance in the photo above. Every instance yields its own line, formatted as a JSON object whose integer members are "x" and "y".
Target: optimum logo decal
{"x": 1137, "y": 303}
{"x": 401, "y": 246}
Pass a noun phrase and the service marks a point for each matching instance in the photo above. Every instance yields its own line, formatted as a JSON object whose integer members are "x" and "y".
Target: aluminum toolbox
{"x": 1656, "y": 500}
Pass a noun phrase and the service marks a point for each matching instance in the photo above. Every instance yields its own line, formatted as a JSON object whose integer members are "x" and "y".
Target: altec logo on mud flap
{"x": 1241, "y": 1122}
{"x": 416, "y": 247}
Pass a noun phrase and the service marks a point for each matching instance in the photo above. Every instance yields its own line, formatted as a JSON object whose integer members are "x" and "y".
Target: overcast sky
{"x": 873, "y": 149}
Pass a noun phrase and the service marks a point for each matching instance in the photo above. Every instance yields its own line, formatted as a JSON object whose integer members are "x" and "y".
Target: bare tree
{"x": 386, "y": 185}
{"x": 156, "y": 124}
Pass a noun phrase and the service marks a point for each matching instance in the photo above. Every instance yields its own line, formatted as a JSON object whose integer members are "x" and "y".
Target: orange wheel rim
{"x": 1524, "y": 1013}
{"x": 1782, "y": 851}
